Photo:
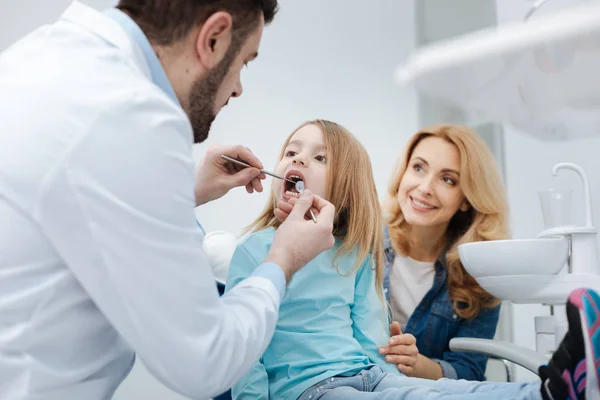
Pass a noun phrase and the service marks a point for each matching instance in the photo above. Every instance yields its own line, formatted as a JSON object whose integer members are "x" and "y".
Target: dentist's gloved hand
{"x": 402, "y": 350}
{"x": 216, "y": 176}
{"x": 298, "y": 240}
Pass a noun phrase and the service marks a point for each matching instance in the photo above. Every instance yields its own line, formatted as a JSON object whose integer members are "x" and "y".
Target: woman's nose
{"x": 425, "y": 187}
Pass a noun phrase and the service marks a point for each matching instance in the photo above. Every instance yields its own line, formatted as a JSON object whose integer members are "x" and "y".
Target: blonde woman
{"x": 446, "y": 190}
{"x": 332, "y": 316}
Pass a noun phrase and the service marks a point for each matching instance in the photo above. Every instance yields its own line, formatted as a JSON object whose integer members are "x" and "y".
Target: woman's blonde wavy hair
{"x": 351, "y": 189}
{"x": 486, "y": 219}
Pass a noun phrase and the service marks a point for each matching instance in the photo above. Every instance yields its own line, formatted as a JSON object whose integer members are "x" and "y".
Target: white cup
{"x": 556, "y": 207}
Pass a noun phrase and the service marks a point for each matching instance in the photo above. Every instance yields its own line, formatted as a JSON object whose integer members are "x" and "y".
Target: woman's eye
{"x": 449, "y": 181}
{"x": 417, "y": 167}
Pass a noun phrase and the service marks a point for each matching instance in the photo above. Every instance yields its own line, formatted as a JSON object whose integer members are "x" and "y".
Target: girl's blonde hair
{"x": 351, "y": 189}
{"x": 486, "y": 219}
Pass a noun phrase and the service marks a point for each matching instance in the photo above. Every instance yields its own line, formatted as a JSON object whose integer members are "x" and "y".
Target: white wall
{"x": 529, "y": 165}
{"x": 320, "y": 59}
{"x": 18, "y": 17}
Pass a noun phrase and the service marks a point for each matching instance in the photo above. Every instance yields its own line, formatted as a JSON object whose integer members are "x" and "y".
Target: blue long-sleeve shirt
{"x": 331, "y": 322}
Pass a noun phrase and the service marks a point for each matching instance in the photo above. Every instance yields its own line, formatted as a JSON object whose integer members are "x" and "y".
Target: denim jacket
{"x": 434, "y": 323}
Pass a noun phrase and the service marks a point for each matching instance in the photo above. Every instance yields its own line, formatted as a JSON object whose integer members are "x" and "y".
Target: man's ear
{"x": 214, "y": 38}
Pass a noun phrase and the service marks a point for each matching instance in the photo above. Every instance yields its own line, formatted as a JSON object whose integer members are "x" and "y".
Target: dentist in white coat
{"x": 100, "y": 254}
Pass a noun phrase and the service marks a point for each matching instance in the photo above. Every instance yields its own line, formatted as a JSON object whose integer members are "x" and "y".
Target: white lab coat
{"x": 100, "y": 255}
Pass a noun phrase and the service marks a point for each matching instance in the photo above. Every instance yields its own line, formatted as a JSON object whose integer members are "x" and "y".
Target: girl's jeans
{"x": 372, "y": 384}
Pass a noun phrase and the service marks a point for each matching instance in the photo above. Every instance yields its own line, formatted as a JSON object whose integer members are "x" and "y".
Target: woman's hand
{"x": 402, "y": 350}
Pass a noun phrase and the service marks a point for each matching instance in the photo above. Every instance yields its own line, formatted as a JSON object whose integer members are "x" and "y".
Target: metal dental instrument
{"x": 299, "y": 184}
{"x": 300, "y": 189}
{"x": 243, "y": 164}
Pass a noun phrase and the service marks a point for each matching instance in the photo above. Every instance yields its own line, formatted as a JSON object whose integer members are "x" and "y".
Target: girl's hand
{"x": 402, "y": 350}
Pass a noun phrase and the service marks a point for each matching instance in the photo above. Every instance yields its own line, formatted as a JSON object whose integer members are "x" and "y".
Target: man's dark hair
{"x": 167, "y": 21}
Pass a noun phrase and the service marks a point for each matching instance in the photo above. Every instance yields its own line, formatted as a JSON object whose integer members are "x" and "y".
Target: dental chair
{"x": 219, "y": 247}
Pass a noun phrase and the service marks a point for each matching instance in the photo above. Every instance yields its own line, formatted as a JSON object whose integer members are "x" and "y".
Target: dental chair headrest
{"x": 219, "y": 247}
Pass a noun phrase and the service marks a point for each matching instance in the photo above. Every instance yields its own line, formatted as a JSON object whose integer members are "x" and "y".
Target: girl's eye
{"x": 290, "y": 153}
{"x": 321, "y": 158}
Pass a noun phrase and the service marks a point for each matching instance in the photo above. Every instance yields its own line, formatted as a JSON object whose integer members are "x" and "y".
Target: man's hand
{"x": 299, "y": 239}
{"x": 284, "y": 209}
{"x": 216, "y": 176}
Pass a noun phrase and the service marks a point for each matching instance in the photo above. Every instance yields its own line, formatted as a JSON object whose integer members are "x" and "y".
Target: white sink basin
{"x": 538, "y": 289}
{"x": 545, "y": 256}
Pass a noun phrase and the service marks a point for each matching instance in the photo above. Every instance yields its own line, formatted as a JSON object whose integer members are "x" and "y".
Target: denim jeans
{"x": 371, "y": 384}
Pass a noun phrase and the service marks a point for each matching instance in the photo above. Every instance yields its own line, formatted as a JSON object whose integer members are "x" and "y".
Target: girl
{"x": 332, "y": 317}
{"x": 447, "y": 190}
{"x": 336, "y": 300}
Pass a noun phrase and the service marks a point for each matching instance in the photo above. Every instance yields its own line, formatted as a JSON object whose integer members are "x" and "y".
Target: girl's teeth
{"x": 292, "y": 194}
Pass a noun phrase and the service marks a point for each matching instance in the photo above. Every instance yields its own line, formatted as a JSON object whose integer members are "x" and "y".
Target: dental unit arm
{"x": 526, "y": 358}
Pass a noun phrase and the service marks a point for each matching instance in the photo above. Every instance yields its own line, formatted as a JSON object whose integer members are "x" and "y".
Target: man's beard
{"x": 203, "y": 94}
